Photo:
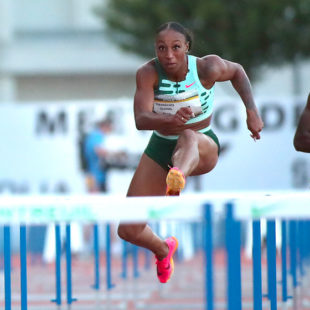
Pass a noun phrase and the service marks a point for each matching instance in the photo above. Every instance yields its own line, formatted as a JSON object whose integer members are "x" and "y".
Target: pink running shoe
{"x": 165, "y": 266}
{"x": 175, "y": 182}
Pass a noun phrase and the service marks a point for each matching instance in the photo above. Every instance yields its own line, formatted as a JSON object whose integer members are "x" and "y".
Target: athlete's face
{"x": 171, "y": 49}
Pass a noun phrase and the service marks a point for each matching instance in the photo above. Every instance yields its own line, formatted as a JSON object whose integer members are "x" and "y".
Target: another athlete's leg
{"x": 148, "y": 180}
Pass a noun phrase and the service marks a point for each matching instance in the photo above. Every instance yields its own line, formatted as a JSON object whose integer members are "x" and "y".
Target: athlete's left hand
{"x": 254, "y": 123}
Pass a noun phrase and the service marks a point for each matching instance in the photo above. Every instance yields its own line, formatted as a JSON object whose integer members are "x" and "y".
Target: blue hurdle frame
{"x": 297, "y": 245}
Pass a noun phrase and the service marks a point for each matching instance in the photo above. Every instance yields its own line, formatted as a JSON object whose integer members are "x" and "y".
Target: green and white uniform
{"x": 169, "y": 97}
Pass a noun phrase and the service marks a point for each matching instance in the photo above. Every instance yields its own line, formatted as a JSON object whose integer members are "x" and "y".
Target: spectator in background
{"x": 95, "y": 154}
{"x": 302, "y": 135}
{"x": 98, "y": 158}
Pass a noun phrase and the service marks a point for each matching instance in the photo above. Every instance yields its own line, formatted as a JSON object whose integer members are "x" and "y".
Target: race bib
{"x": 170, "y": 104}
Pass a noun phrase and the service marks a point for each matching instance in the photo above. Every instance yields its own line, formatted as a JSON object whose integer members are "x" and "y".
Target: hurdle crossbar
{"x": 43, "y": 209}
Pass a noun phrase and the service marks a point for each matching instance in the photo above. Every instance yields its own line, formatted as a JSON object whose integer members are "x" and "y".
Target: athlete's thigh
{"x": 208, "y": 154}
{"x": 149, "y": 179}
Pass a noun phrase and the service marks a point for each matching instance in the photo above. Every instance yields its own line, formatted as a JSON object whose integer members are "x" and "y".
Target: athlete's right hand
{"x": 177, "y": 121}
{"x": 183, "y": 115}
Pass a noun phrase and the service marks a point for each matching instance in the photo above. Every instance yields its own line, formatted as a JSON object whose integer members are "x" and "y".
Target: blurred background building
{"x": 57, "y": 50}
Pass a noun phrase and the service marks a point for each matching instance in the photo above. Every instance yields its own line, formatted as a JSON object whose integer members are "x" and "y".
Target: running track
{"x": 184, "y": 291}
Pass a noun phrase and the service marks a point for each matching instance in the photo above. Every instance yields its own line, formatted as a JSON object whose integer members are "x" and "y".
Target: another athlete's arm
{"x": 215, "y": 69}
{"x": 145, "y": 118}
{"x": 302, "y": 135}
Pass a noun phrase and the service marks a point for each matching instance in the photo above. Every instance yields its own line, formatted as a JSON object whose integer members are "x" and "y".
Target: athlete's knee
{"x": 188, "y": 135}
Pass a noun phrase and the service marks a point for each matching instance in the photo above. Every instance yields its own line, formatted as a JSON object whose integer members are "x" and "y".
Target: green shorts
{"x": 161, "y": 149}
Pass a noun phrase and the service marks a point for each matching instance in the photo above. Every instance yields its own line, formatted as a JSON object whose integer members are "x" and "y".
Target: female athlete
{"x": 174, "y": 98}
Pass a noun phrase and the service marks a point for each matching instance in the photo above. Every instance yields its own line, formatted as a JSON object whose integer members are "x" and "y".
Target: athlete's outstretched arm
{"x": 219, "y": 70}
{"x": 302, "y": 135}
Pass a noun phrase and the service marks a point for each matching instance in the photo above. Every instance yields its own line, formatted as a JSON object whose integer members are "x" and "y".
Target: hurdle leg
{"x": 108, "y": 257}
{"x": 124, "y": 259}
{"x": 301, "y": 232}
{"x": 305, "y": 244}
{"x": 300, "y": 261}
{"x": 148, "y": 257}
{"x": 293, "y": 251}
{"x": 7, "y": 266}
{"x": 306, "y": 241}
{"x": 23, "y": 267}
{"x": 135, "y": 257}
{"x": 233, "y": 246}
{"x": 284, "y": 262}
{"x": 293, "y": 259}
{"x": 57, "y": 300}
{"x": 96, "y": 285}
{"x": 257, "y": 266}
{"x": 195, "y": 233}
{"x": 208, "y": 250}
{"x": 68, "y": 265}
{"x": 271, "y": 264}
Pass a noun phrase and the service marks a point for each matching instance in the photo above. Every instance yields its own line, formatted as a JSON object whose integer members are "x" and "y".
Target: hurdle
{"x": 290, "y": 207}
